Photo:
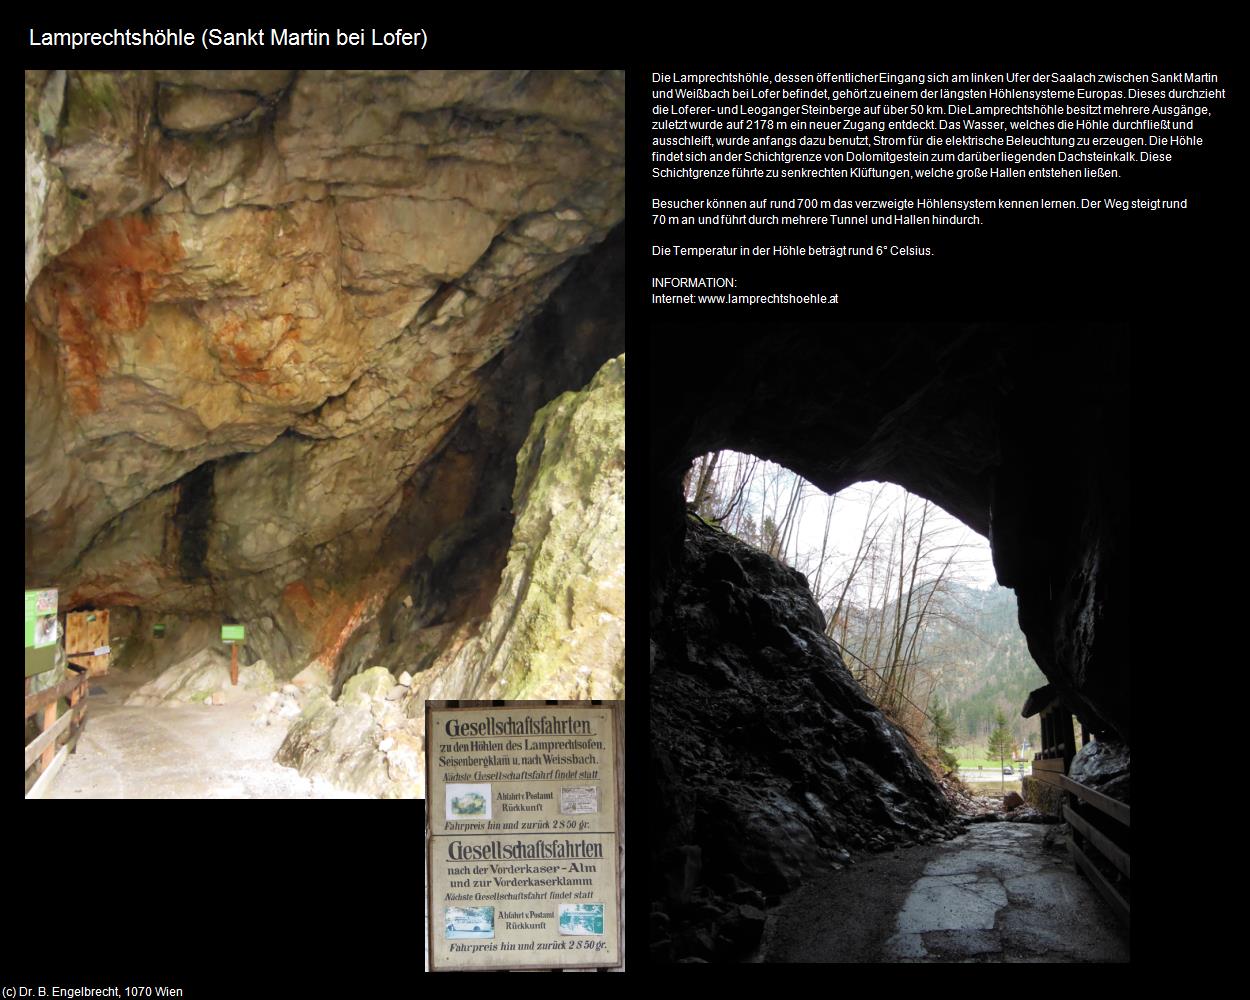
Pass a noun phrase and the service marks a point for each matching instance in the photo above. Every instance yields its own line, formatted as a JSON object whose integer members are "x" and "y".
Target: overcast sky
{"x": 849, "y": 510}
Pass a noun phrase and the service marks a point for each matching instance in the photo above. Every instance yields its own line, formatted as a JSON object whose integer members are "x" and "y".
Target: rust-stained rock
{"x": 260, "y": 303}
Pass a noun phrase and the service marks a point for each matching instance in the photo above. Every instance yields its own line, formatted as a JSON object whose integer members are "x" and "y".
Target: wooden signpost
{"x": 233, "y": 635}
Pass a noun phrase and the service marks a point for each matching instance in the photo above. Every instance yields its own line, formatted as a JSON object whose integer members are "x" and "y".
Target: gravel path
{"x": 183, "y": 752}
{"x": 993, "y": 894}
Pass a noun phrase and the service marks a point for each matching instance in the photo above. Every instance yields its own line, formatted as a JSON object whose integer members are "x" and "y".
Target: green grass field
{"x": 974, "y": 756}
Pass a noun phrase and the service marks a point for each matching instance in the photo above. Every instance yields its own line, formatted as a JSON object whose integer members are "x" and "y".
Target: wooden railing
{"x": 1048, "y": 770}
{"x": 1100, "y": 826}
{"x": 41, "y": 752}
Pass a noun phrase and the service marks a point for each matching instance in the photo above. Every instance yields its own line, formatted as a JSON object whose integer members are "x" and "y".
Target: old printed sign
{"x": 522, "y": 820}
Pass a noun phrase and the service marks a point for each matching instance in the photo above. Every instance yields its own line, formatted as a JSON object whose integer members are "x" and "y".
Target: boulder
{"x": 199, "y": 678}
{"x": 362, "y": 743}
{"x": 1104, "y": 766}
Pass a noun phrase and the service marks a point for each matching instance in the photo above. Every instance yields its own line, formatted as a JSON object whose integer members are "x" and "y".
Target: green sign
{"x": 232, "y": 633}
{"x": 158, "y": 630}
{"x": 40, "y": 618}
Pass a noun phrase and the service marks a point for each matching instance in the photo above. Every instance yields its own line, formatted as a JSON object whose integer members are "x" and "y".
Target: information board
{"x": 522, "y": 815}
{"x": 232, "y": 633}
{"x": 41, "y": 631}
{"x": 40, "y": 618}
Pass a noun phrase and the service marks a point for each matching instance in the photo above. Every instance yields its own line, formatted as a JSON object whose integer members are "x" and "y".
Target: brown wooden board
{"x": 1051, "y": 764}
{"x": 40, "y": 788}
{"x": 43, "y": 742}
{"x": 48, "y": 722}
{"x": 1113, "y": 852}
{"x": 1114, "y": 808}
{"x": 52, "y": 695}
{"x": 1048, "y": 777}
{"x": 1107, "y": 890}
{"x": 84, "y": 635}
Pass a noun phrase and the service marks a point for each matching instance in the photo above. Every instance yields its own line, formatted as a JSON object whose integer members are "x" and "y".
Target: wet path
{"x": 994, "y": 894}
{"x": 184, "y": 752}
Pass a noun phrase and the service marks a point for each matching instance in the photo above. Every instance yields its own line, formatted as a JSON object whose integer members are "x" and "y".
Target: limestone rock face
{"x": 259, "y": 306}
{"x": 768, "y": 761}
{"x": 556, "y": 628}
{"x": 362, "y": 743}
{"x": 199, "y": 677}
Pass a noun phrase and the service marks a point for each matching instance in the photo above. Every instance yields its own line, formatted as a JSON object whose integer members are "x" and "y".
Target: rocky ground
{"x": 998, "y": 893}
{"x": 974, "y": 808}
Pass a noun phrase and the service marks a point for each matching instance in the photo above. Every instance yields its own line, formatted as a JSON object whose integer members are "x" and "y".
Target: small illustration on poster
{"x": 579, "y": 799}
{"x": 581, "y": 918}
{"x": 45, "y": 631}
{"x": 470, "y": 922}
{"x": 468, "y": 801}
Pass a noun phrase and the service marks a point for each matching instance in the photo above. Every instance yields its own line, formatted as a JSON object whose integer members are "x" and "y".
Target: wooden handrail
{"x": 1114, "y": 808}
{"x": 40, "y": 742}
{"x": 41, "y": 753}
{"x": 1118, "y": 903}
{"x": 1110, "y": 850}
{"x": 1097, "y": 841}
{"x": 62, "y": 690}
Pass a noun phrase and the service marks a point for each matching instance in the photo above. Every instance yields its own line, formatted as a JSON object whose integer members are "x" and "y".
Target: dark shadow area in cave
{"x": 193, "y": 516}
{"x": 769, "y": 766}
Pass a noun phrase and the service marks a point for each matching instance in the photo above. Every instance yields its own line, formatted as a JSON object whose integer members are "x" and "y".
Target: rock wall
{"x": 261, "y": 305}
{"x": 768, "y": 761}
{"x": 459, "y": 512}
{"x": 555, "y": 628}
{"x": 1043, "y": 796}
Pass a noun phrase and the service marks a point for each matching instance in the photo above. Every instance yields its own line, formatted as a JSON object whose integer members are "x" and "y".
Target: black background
{"x": 259, "y": 900}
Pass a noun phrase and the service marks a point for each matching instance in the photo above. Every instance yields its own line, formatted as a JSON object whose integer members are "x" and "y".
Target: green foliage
{"x": 1000, "y": 742}
{"x": 942, "y": 732}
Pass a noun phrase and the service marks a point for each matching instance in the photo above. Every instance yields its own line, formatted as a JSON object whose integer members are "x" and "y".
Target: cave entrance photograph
{"x": 324, "y": 417}
{"x": 889, "y": 691}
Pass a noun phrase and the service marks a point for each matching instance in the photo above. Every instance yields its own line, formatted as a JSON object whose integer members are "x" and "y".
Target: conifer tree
{"x": 1000, "y": 742}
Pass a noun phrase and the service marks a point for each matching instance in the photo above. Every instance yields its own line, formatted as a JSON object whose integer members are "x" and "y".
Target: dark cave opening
{"x": 1020, "y": 432}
